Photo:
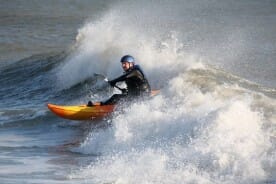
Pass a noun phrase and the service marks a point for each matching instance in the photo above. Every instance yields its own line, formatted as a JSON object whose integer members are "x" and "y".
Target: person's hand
{"x": 124, "y": 91}
{"x": 112, "y": 83}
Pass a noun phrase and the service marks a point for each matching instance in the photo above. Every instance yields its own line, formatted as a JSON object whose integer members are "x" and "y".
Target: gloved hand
{"x": 112, "y": 83}
{"x": 124, "y": 91}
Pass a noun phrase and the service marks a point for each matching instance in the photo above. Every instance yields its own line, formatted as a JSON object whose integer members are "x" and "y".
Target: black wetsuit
{"x": 137, "y": 85}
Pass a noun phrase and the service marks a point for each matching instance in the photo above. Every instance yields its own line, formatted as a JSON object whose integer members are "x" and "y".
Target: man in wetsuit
{"x": 135, "y": 79}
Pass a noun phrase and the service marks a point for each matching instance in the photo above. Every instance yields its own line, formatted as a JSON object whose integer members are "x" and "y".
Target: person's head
{"x": 127, "y": 62}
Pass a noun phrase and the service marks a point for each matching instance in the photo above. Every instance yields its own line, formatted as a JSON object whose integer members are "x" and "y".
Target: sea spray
{"x": 100, "y": 45}
{"x": 194, "y": 133}
{"x": 205, "y": 126}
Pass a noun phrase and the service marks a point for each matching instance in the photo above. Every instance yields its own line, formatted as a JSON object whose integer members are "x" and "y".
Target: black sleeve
{"x": 136, "y": 73}
{"x": 120, "y": 79}
{"x": 132, "y": 73}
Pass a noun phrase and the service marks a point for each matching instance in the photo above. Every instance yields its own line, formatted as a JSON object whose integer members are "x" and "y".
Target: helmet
{"x": 127, "y": 58}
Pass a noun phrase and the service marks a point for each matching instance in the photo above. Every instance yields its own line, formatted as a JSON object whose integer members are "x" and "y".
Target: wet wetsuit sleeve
{"x": 119, "y": 79}
{"x": 127, "y": 75}
{"x": 135, "y": 73}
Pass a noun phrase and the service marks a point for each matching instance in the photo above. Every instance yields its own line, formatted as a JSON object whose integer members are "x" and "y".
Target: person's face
{"x": 126, "y": 65}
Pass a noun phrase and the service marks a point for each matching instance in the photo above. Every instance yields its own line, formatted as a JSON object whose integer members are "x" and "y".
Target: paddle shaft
{"x": 118, "y": 87}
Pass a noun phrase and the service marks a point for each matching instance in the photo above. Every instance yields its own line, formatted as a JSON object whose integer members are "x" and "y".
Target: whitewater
{"x": 212, "y": 122}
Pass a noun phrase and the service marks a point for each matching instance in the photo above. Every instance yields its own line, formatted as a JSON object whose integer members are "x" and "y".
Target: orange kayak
{"x": 83, "y": 112}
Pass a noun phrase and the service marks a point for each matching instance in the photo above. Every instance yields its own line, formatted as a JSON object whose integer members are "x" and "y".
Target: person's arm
{"x": 133, "y": 73}
{"x": 119, "y": 79}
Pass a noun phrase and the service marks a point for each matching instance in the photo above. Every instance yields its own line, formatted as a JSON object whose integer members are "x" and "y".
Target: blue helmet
{"x": 127, "y": 58}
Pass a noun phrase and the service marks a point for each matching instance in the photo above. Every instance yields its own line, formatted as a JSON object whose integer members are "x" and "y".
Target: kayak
{"x": 84, "y": 112}
{"x": 81, "y": 112}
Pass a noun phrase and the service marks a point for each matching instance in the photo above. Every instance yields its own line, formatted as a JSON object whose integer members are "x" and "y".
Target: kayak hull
{"x": 81, "y": 112}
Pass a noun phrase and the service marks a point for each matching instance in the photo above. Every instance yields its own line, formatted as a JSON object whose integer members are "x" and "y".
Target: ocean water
{"x": 213, "y": 121}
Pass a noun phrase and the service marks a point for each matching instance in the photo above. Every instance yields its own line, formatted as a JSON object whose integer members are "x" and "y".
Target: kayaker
{"x": 135, "y": 79}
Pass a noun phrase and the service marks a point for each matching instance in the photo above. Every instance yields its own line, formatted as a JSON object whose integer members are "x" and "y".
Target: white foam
{"x": 198, "y": 138}
{"x": 236, "y": 143}
{"x": 100, "y": 45}
{"x": 200, "y": 129}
